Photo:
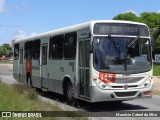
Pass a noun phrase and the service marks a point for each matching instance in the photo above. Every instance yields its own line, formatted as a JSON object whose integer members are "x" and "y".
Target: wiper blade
{"x": 113, "y": 41}
{"x": 116, "y": 46}
{"x": 133, "y": 42}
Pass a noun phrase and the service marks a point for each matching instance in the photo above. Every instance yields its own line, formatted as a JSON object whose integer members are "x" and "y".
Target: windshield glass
{"x": 121, "y": 55}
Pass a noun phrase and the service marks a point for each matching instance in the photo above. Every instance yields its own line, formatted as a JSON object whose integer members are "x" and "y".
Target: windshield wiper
{"x": 113, "y": 42}
{"x": 116, "y": 47}
{"x": 133, "y": 42}
{"x": 129, "y": 46}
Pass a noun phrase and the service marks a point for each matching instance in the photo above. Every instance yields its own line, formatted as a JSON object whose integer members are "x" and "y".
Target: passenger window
{"x": 36, "y": 50}
{"x": 29, "y": 50}
{"x": 16, "y": 51}
{"x": 70, "y": 46}
{"x": 56, "y": 47}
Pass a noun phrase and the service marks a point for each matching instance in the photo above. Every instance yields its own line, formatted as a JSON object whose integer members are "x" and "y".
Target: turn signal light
{"x": 147, "y": 93}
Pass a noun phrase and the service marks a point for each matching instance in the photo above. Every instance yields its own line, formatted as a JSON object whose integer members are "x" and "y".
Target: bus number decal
{"x": 61, "y": 69}
{"x": 107, "y": 77}
{"x": 72, "y": 65}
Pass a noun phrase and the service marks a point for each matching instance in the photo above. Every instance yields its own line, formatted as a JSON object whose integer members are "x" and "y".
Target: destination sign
{"x": 120, "y": 29}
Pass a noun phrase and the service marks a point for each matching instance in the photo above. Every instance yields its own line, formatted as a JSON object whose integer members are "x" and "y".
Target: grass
{"x": 156, "y": 70}
{"x": 6, "y": 62}
{"x": 20, "y": 98}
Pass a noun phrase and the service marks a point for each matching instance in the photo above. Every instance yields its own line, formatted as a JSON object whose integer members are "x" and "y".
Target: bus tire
{"x": 29, "y": 82}
{"x": 69, "y": 93}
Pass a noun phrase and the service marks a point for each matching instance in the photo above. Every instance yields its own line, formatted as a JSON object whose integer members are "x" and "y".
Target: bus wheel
{"x": 29, "y": 82}
{"x": 69, "y": 93}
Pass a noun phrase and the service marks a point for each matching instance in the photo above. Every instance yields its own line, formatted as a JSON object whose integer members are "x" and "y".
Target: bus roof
{"x": 71, "y": 29}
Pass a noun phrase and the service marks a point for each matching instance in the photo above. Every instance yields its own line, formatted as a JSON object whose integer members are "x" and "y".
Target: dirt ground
{"x": 156, "y": 85}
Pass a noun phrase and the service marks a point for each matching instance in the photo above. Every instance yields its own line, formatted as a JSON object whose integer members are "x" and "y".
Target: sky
{"x": 22, "y": 18}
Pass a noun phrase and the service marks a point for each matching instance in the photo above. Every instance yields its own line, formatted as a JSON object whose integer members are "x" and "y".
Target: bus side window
{"x": 29, "y": 50}
{"x": 56, "y": 47}
{"x": 16, "y": 51}
{"x": 36, "y": 50}
{"x": 70, "y": 46}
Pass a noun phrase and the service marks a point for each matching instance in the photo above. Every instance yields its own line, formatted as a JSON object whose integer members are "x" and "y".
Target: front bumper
{"x": 99, "y": 95}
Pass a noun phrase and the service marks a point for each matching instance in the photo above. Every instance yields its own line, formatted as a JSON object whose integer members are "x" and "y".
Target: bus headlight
{"x": 148, "y": 83}
{"x": 100, "y": 84}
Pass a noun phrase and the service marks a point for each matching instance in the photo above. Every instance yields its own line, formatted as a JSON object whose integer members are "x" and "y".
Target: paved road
{"x": 97, "y": 109}
{"x": 6, "y": 74}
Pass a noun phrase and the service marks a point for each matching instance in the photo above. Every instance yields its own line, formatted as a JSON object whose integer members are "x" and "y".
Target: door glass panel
{"x": 44, "y": 71}
{"x": 81, "y": 81}
{"x": 44, "y": 55}
{"x": 87, "y": 54}
{"x": 87, "y": 83}
{"x": 81, "y": 54}
{"x": 84, "y": 67}
{"x": 46, "y": 47}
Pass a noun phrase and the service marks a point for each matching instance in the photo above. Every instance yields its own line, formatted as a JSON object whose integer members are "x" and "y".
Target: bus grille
{"x": 125, "y": 94}
{"x": 128, "y": 80}
{"x": 129, "y": 86}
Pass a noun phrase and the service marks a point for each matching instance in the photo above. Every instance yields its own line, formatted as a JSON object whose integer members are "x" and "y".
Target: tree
{"x": 156, "y": 35}
{"x": 6, "y": 50}
{"x": 1, "y": 50}
{"x": 151, "y": 19}
{"x": 127, "y": 16}
{"x": 7, "y": 46}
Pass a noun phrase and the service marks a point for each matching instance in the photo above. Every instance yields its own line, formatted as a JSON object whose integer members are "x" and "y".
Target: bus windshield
{"x": 122, "y": 54}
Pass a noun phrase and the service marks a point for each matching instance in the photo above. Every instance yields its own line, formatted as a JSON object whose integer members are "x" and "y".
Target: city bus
{"x": 101, "y": 60}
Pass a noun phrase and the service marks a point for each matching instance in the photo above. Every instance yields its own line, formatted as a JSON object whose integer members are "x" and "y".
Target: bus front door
{"x": 44, "y": 69}
{"x": 84, "y": 67}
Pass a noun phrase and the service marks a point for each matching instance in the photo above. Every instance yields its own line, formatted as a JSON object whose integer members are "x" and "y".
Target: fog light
{"x": 146, "y": 84}
{"x": 103, "y": 86}
{"x": 112, "y": 96}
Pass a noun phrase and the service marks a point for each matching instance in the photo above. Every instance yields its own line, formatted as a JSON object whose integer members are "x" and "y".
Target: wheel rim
{"x": 70, "y": 93}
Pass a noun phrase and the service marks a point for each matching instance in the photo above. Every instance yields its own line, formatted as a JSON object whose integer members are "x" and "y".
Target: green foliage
{"x": 156, "y": 50}
{"x": 151, "y": 19}
{"x": 6, "y": 62}
{"x": 156, "y": 35}
{"x": 1, "y": 50}
{"x": 156, "y": 70}
{"x": 127, "y": 16}
{"x": 6, "y": 50}
{"x": 21, "y": 98}
{"x": 23, "y": 89}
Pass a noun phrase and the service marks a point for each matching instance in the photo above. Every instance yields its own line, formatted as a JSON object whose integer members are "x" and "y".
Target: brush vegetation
{"x": 21, "y": 98}
{"x": 156, "y": 70}
{"x": 6, "y": 62}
